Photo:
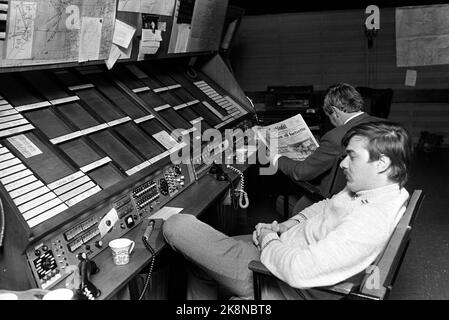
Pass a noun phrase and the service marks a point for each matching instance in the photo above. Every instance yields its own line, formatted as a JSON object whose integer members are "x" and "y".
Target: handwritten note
{"x": 123, "y": 34}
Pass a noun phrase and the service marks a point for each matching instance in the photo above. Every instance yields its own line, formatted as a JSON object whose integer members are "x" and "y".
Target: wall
{"x": 321, "y": 48}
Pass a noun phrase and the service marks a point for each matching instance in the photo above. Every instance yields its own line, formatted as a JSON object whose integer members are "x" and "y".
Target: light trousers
{"x": 219, "y": 263}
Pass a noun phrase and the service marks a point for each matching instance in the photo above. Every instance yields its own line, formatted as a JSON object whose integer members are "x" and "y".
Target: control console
{"x": 52, "y": 256}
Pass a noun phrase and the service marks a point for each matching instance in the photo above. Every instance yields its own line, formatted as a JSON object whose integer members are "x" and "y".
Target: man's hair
{"x": 389, "y": 139}
{"x": 344, "y": 97}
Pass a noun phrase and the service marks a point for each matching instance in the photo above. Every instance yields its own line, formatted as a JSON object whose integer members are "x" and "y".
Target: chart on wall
{"x": 43, "y": 31}
{"x": 422, "y": 35}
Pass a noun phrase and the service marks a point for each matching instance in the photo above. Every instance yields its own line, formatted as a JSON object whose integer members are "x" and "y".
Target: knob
{"x": 37, "y": 252}
{"x": 99, "y": 244}
{"x": 82, "y": 256}
{"x": 108, "y": 223}
{"x": 87, "y": 247}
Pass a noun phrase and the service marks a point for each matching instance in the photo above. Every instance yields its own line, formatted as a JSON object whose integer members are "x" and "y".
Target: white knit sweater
{"x": 336, "y": 239}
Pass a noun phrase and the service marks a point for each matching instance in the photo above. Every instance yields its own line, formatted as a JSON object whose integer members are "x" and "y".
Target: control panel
{"x": 51, "y": 257}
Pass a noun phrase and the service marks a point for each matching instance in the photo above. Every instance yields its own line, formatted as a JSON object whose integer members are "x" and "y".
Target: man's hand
{"x": 279, "y": 228}
{"x": 263, "y": 232}
{"x": 257, "y": 232}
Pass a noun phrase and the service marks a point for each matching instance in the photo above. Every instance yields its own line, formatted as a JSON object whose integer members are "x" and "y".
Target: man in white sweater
{"x": 322, "y": 245}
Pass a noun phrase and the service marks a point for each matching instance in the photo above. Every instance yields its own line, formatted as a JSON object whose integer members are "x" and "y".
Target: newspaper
{"x": 294, "y": 138}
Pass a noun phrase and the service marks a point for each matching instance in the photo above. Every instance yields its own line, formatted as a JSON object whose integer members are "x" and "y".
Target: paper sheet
{"x": 21, "y": 29}
{"x": 112, "y": 217}
{"x": 24, "y": 145}
{"x": 90, "y": 39}
{"x": 123, "y": 34}
{"x": 113, "y": 56}
{"x": 150, "y": 42}
{"x": 166, "y": 212}
{"x": 183, "y": 38}
{"x": 165, "y": 139}
{"x": 149, "y": 35}
{"x": 126, "y": 53}
{"x": 410, "y": 78}
{"x": 162, "y": 26}
{"x": 159, "y": 7}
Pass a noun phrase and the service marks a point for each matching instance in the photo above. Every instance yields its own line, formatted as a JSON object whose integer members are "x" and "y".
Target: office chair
{"x": 387, "y": 263}
{"x": 377, "y": 101}
{"x": 337, "y": 182}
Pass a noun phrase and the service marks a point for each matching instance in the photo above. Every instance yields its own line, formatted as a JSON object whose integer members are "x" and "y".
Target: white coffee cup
{"x": 121, "y": 250}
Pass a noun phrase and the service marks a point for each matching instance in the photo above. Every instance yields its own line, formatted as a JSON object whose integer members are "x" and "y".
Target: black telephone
{"x": 87, "y": 290}
{"x": 238, "y": 196}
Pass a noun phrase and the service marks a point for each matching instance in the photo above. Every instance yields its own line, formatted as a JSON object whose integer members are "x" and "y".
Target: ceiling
{"x": 257, "y": 7}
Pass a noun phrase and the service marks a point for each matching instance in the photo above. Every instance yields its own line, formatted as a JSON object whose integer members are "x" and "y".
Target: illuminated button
{"x": 82, "y": 256}
{"x": 44, "y": 247}
{"x": 129, "y": 221}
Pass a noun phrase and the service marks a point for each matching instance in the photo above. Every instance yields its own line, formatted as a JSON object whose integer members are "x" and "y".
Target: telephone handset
{"x": 241, "y": 193}
{"x": 87, "y": 290}
{"x": 238, "y": 195}
{"x": 148, "y": 227}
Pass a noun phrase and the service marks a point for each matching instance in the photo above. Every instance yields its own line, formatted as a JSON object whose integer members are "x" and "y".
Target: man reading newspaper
{"x": 300, "y": 157}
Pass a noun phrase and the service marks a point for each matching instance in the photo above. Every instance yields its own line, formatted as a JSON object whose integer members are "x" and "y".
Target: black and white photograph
{"x": 133, "y": 168}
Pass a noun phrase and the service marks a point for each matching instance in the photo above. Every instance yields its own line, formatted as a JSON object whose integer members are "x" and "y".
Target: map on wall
{"x": 422, "y": 35}
{"x": 42, "y": 31}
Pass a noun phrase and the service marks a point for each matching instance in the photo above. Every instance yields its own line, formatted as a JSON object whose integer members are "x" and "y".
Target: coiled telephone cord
{"x": 243, "y": 198}
{"x": 150, "y": 271}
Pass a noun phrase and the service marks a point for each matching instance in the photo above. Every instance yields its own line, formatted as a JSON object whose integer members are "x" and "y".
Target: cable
{"x": 2, "y": 224}
{"x": 243, "y": 196}
{"x": 147, "y": 280}
{"x": 254, "y": 108}
{"x": 192, "y": 73}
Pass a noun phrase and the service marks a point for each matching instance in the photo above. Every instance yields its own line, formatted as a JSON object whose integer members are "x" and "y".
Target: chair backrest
{"x": 377, "y": 101}
{"x": 379, "y": 281}
{"x": 337, "y": 179}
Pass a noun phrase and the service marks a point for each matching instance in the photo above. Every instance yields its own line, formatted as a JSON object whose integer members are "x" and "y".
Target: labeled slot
{"x": 116, "y": 150}
{"x": 40, "y": 158}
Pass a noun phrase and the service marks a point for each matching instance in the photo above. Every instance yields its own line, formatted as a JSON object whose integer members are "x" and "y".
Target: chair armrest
{"x": 344, "y": 288}
{"x": 258, "y": 267}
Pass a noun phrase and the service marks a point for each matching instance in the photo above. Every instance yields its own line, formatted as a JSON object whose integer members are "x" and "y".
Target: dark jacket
{"x": 316, "y": 167}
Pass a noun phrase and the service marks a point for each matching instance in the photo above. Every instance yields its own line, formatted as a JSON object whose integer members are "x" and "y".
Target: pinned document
{"x": 410, "y": 78}
{"x": 123, "y": 34}
{"x": 108, "y": 222}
